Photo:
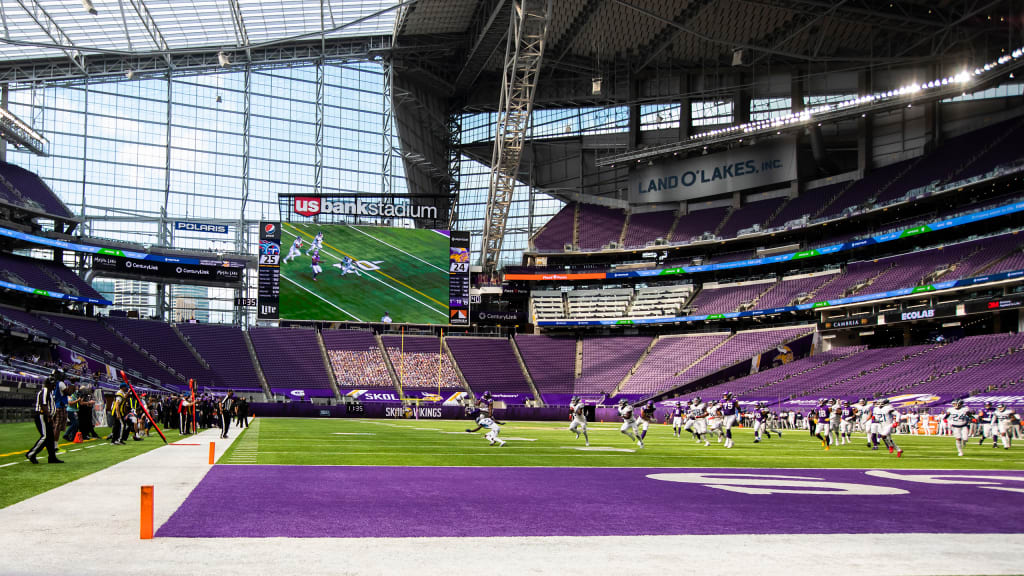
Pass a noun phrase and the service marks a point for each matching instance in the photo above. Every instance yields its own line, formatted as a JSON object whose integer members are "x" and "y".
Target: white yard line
{"x": 326, "y": 301}
{"x": 399, "y": 249}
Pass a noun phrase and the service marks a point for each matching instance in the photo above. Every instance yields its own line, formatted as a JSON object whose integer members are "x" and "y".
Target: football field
{"x": 401, "y": 272}
{"x": 349, "y": 442}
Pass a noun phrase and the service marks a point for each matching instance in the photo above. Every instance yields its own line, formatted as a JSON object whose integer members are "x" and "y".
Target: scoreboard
{"x": 269, "y": 296}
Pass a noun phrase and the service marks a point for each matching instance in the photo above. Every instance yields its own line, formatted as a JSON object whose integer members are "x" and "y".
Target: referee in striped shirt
{"x": 43, "y": 415}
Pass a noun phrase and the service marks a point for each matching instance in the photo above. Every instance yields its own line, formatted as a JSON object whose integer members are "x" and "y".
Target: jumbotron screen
{"x": 364, "y": 273}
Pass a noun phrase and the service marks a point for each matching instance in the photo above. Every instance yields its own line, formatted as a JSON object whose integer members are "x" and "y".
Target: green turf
{"x": 411, "y": 284}
{"x": 22, "y": 480}
{"x": 400, "y": 443}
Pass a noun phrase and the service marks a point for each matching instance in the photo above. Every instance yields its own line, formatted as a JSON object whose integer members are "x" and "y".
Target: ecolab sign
{"x": 313, "y": 205}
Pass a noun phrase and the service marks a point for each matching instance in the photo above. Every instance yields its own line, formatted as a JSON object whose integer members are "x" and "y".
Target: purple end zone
{"x": 381, "y": 501}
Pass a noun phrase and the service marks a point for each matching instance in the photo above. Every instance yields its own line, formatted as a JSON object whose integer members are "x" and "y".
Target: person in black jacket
{"x": 226, "y": 408}
{"x": 42, "y": 416}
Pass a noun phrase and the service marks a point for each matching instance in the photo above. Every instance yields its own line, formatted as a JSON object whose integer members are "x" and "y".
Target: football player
{"x": 846, "y": 419}
{"x": 864, "y": 411}
{"x": 834, "y": 419}
{"x": 482, "y": 421}
{"x": 677, "y": 420}
{"x": 821, "y": 429}
{"x": 486, "y": 406}
{"x": 295, "y": 251}
{"x": 579, "y": 419}
{"x": 316, "y": 264}
{"x": 629, "y": 422}
{"x": 757, "y": 413}
{"x": 959, "y": 418}
{"x": 882, "y": 417}
{"x": 1003, "y": 418}
{"x": 715, "y": 420}
{"x": 699, "y": 412}
{"x": 318, "y": 242}
{"x": 730, "y": 412}
{"x": 346, "y": 266}
{"x": 986, "y": 424}
{"x": 646, "y": 418}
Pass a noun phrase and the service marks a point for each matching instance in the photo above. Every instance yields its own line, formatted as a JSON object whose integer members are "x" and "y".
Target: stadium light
{"x": 129, "y": 74}
{"x": 914, "y": 91}
{"x": 87, "y": 4}
{"x": 223, "y": 59}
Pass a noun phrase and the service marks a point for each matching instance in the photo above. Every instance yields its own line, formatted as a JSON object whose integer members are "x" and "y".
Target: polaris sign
{"x": 197, "y": 227}
{"x": 315, "y": 205}
{"x": 725, "y": 172}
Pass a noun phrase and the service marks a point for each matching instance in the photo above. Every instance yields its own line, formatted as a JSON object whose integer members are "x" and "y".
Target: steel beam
{"x": 524, "y": 52}
{"x": 50, "y": 27}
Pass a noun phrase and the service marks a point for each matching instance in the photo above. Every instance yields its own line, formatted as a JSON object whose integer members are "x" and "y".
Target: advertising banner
{"x": 388, "y": 395}
{"x": 491, "y": 316}
{"x": 219, "y": 271}
{"x": 942, "y": 311}
{"x": 199, "y": 227}
{"x": 733, "y": 170}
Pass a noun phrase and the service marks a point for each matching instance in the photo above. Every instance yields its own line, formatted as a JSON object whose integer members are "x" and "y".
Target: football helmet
{"x": 623, "y": 402}
{"x": 1001, "y": 407}
{"x": 726, "y": 395}
{"x": 696, "y": 400}
{"x": 679, "y": 404}
{"x": 959, "y": 403}
{"x": 988, "y": 405}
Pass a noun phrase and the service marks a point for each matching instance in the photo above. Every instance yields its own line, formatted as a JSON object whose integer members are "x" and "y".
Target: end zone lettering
{"x": 312, "y": 206}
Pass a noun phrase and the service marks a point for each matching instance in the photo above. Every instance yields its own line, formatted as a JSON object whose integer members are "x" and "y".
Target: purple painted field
{"x": 371, "y": 501}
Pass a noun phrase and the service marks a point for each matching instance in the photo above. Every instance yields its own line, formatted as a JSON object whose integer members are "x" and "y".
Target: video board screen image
{"x": 344, "y": 273}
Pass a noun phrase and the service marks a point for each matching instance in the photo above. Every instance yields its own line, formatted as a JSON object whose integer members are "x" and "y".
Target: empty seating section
{"x": 23, "y": 188}
{"x": 787, "y": 291}
{"x": 697, "y": 222}
{"x": 670, "y": 355}
{"x": 739, "y": 347}
{"x": 659, "y": 301}
{"x": 606, "y": 361}
{"x": 955, "y": 369}
{"x": 356, "y": 359}
{"x": 808, "y": 203}
{"x": 103, "y": 341}
{"x": 551, "y": 362}
{"x": 866, "y": 188}
{"x": 47, "y": 275}
{"x": 611, "y": 303}
{"x": 418, "y": 362}
{"x": 548, "y": 304}
{"x": 1001, "y": 152}
{"x": 749, "y": 215}
{"x": 489, "y": 364}
{"x": 290, "y": 358}
{"x": 717, "y": 299}
{"x": 760, "y": 384}
{"x": 646, "y": 227}
{"x": 599, "y": 226}
{"x": 160, "y": 340}
{"x": 558, "y": 231}
{"x": 224, "y": 349}
{"x": 34, "y": 322}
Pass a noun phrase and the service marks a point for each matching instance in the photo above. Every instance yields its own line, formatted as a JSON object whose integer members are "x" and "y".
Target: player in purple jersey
{"x": 758, "y": 415}
{"x": 646, "y": 419}
{"x": 316, "y": 265}
{"x": 677, "y": 419}
{"x": 730, "y": 413}
{"x": 986, "y": 425}
{"x": 821, "y": 429}
{"x": 846, "y": 418}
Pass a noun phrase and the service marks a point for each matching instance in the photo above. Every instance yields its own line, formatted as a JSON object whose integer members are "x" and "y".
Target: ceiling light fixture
{"x": 87, "y": 4}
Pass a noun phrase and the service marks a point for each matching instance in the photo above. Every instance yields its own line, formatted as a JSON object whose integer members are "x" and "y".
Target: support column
{"x": 864, "y": 130}
{"x": 3, "y": 104}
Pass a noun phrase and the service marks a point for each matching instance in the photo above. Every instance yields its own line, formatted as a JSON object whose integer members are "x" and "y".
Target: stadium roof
{"x": 41, "y": 29}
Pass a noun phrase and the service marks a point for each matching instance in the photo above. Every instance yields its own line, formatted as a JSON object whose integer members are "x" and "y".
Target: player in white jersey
{"x": 629, "y": 422}
{"x": 864, "y": 414}
{"x": 295, "y": 251}
{"x": 715, "y": 420}
{"x": 482, "y": 421}
{"x": 579, "y": 419}
{"x": 317, "y": 244}
{"x": 959, "y": 419}
{"x": 1003, "y": 418}
{"x": 699, "y": 412}
{"x": 883, "y": 417}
